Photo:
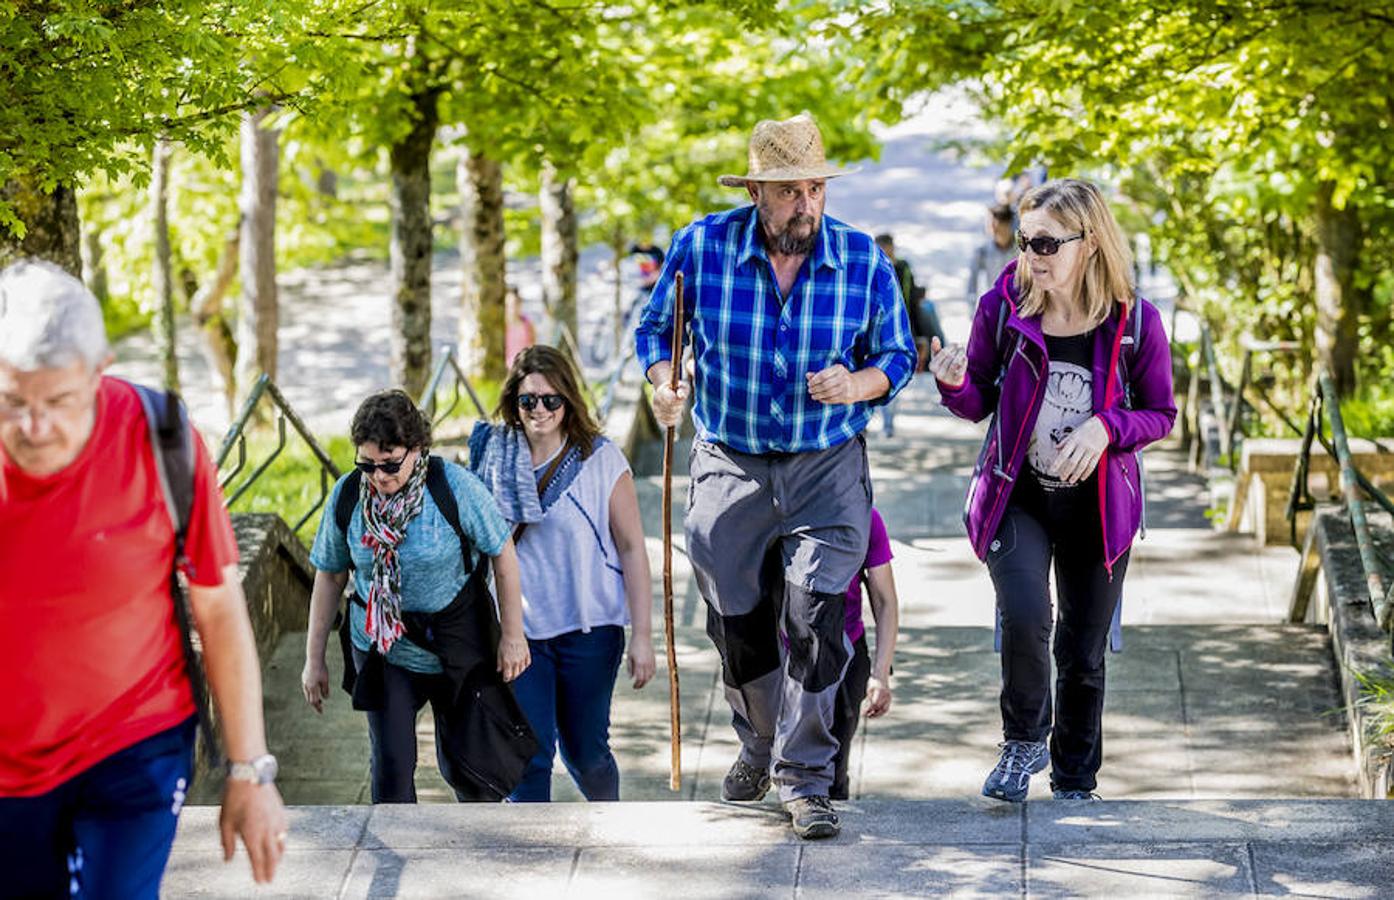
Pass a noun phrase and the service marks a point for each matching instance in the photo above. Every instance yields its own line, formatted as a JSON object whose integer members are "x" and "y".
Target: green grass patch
{"x": 291, "y": 486}
{"x": 1377, "y": 697}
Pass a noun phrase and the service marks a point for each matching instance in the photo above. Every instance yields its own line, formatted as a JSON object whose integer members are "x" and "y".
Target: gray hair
{"x": 48, "y": 319}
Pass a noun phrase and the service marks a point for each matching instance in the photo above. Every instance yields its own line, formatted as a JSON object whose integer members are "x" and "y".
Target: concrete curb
{"x": 1359, "y": 646}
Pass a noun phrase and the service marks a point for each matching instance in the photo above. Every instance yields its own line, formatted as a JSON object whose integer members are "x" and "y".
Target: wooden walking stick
{"x": 674, "y": 709}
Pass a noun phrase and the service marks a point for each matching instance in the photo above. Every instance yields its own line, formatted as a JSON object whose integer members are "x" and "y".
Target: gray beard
{"x": 786, "y": 243}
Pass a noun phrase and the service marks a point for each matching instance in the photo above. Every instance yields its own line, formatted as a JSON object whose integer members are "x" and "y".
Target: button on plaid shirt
{"x": 753, "y": 350}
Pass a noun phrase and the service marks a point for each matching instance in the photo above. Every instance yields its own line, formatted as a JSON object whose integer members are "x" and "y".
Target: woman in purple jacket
{"x": 1076, "y": 371}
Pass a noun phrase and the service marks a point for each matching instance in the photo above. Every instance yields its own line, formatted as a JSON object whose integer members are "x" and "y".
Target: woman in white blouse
{"x": 569, "y": 495}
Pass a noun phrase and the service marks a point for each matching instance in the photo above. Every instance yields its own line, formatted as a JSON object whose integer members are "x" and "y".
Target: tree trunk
{"x": 258, "y": 314}
{"x": 617, "y": 248}
{"x": 1339, "y": 302}
{"x": 411, "y": 246}
{"x": 94, "y": 265}
{"x": 209, "y": 314}
{"x": 52, "y": 229}
{"x": 559, "y": 250}
{"x": 161, "y": 276}
{"x": 485, "y": 275}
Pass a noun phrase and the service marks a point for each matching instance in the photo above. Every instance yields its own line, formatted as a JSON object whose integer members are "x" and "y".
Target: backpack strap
{"x": 172, "y": 444}
{"x": 347, "y": 501}
{"x": 346, "y": 504}
{"x": 1133, "y": 338}
{"x": 1003, "y": 353}
{"x": 444, "y": 497}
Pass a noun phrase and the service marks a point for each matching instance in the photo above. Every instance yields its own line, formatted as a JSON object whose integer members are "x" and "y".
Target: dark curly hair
{"x": 390, "y": 419}
{"x": 550, "y": 363}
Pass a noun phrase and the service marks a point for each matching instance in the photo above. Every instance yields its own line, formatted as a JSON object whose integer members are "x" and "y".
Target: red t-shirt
{"x": 93, "y": 662}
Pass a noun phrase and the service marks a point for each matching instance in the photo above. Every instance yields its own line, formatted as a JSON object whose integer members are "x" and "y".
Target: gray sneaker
{"x": 1076, "y": 795}
{"x": 1011, "y": 778}
{"x": 812, "y": 818}
{"x": 745, "y": 783}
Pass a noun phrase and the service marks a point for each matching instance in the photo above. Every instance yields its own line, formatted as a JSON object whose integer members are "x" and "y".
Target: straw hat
{"x": 791, "y": 150}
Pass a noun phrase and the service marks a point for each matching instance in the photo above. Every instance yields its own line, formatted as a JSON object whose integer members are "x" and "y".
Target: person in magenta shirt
{"x": 865, "y": 679}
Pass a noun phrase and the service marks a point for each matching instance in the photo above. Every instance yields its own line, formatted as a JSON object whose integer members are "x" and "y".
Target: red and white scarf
{"x": 385, "y": 520}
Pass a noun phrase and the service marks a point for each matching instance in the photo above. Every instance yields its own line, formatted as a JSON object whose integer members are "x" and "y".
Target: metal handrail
{"x": 1236, "y": 408}
{"x": 237, "y": 437}
{"x": 1352, "y": 483}
{"x": 616, "y": 375}
{"x": 1217, "y": 389}
{"x": 449, "y": 362}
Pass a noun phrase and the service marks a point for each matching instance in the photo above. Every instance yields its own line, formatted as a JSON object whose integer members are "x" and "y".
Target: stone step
{"x": 888, "y": 848}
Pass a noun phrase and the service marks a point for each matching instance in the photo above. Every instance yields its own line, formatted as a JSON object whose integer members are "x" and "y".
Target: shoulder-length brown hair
{"x": 552, "y": 364}
{"x": 1079, "y": 206}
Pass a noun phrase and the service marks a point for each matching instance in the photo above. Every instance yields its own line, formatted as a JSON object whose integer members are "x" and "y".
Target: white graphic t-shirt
{"x": 1068, "y": 403}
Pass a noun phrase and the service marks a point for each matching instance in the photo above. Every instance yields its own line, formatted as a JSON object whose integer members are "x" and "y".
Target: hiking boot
{"x": 1011, "y": 778}
{"x": 812, "y": 818}
{"x": 745, "y": 783}
{"x": 1076, "y": 795}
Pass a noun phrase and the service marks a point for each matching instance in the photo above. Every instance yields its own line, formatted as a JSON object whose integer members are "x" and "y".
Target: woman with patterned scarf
{"x": 406, "y": 559}
{"x": 568, "y": 493}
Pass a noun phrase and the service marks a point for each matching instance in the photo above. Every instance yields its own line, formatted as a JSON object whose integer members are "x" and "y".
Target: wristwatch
{"x": 261, "y": 770}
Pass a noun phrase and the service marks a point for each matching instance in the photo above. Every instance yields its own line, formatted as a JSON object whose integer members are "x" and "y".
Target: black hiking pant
{"x": 1041, "y": 529}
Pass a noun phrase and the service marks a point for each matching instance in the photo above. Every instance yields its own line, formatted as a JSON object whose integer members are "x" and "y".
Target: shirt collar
{"x": 825, "y": 253}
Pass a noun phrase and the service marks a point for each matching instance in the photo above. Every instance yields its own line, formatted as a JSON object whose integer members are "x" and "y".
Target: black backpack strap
{"x": 1133, "y": 337}
{"x": 444, "y": 498}
{"x": 1003, "y": 354}
{"x": 347, "y": 501}
{"x": 172, "y": 442}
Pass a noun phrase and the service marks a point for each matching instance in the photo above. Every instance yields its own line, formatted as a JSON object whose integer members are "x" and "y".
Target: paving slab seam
{"x": 575, "y": 864}
{"x": 798, "y": 872}
{"x": 1186, "y": 730}
{"x": 353, "y": 857}
{"x": 712, "y": 691}
{"x": 1025, "y": 857}
{"x": 1253, "y": 867}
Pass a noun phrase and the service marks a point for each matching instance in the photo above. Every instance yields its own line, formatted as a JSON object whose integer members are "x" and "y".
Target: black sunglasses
{"x": 391, "y": 467}
{"x": 1045, "y": 245}
{"x": 550, "y": 402}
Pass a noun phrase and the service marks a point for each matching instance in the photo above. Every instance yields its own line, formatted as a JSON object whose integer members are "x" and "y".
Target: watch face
{"x": 261, "y": 770}
{"x": 266, "y": 767}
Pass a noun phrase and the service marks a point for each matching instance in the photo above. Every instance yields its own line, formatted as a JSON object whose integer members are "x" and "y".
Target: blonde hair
{"x": 1079, "y": 206}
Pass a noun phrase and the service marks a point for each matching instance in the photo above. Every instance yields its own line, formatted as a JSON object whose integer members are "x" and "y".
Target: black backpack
{"x": 172, "y": 442}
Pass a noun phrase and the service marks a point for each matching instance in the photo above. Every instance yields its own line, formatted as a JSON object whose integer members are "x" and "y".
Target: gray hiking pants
{"x": 774, "y": 541}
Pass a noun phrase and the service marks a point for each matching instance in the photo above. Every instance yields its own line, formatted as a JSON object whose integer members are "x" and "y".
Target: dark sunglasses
{"x": 1045, "y": 245}
{"x": 550, "y": 402}
{"x": 391, "y": 467}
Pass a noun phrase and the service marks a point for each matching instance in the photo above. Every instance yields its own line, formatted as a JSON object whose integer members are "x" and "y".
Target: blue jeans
{"x": 105, "y": 832}
{"x": 566, "y": 694}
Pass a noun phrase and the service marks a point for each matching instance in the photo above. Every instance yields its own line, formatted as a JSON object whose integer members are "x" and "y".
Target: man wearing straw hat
{"x": 797, "y": 330}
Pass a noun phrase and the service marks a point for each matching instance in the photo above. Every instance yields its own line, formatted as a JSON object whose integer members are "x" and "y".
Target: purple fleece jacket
{"x": 1017, "y": 401}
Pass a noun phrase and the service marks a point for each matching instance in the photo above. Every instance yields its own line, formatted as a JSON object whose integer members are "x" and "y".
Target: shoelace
{"x": 1014, "y": 759}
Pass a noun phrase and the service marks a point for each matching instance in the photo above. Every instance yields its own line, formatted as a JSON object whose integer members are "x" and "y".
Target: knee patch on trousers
{"x": 748, "y": 644}
{"x": 815, "y": 622}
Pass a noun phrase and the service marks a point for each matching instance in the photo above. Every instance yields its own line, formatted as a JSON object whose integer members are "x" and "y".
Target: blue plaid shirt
{"x": 753, "y": 350}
